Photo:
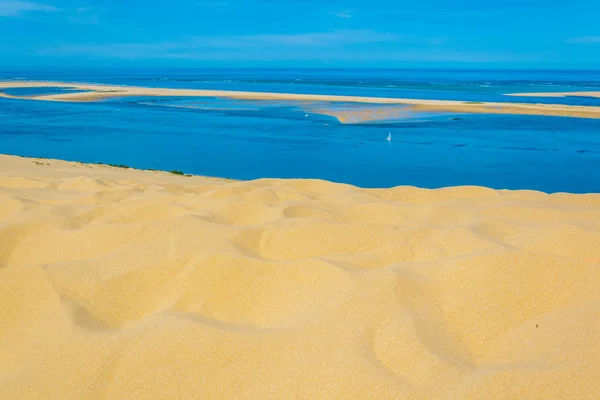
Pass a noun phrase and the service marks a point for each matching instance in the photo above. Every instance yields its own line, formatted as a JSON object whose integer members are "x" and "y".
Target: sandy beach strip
{"x": 386, "y": 113}
{"x": 126, "y": 284}
{"x": 99, "y": 92}
{"x": 557, "y": 94}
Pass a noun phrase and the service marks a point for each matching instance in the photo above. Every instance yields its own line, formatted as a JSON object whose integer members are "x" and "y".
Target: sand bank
{"x": 126, "y": 284}
{"x": 98, "y": 92}
{"x": 557, "y": 94}
{"x": 386, "y": 113}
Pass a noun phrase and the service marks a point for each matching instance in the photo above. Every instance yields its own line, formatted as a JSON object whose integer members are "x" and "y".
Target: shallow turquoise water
{"x": 39, "y": 91}
{"x": 247, "y": 140}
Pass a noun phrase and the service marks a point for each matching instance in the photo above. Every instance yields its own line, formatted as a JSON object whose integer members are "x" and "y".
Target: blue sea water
{"x": 38, "y": 91}
{"x": 247, "y": 140}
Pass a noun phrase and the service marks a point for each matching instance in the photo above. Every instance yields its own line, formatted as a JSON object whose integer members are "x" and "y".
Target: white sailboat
{"x": 389, "y": 138}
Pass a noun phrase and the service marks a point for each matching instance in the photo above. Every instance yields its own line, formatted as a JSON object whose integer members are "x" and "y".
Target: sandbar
{"x": 96, "y": 92}
{"x": 557, "y": 94}
{"x": 126, "y": 284}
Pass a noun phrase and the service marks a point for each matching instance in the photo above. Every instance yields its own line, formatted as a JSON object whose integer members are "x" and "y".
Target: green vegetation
{"x": 115, "y": 165}
{"x": 176, "y": 172}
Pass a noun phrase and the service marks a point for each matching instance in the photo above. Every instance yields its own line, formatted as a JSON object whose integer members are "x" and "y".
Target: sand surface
{"x": 557, "y": 94}
{"x": 123, "y": 284}
{"x": 98, "y": 92}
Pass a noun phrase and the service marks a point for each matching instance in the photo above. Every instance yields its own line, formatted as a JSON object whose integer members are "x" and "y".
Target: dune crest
{"x": 120, "y": 284}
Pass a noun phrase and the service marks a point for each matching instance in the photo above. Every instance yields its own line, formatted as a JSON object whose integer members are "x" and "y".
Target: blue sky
{"x": 300, "y": 33}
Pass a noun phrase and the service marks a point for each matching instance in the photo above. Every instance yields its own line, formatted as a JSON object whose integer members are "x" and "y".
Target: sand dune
{"x": 96, "y": 92}
{"x": 125, "y": 284}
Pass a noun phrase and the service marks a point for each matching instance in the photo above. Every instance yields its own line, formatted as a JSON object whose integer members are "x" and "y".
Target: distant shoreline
{"x": 94, "y": 92}
{"x": 557, "y": 94}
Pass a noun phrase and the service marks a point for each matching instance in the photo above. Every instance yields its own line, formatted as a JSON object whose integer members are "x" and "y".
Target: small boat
{"x": 389, "y": 138}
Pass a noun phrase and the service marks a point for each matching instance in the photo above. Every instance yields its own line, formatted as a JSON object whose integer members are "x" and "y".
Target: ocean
{"x": 250, "y": 140}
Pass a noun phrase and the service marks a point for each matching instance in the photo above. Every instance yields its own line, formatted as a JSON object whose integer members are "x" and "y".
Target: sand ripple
{"x": 130, "y": 284}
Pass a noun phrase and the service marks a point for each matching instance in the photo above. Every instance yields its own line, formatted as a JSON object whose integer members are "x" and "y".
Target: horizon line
{"x": 301, "y": 68}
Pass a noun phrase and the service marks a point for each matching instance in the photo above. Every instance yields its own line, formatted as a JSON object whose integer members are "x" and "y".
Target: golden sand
{"x": 124, "y": 284}
{"x": 386, "y": 113}
{"x": 98, "y": 92}
{"x": 557, "y": 94}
